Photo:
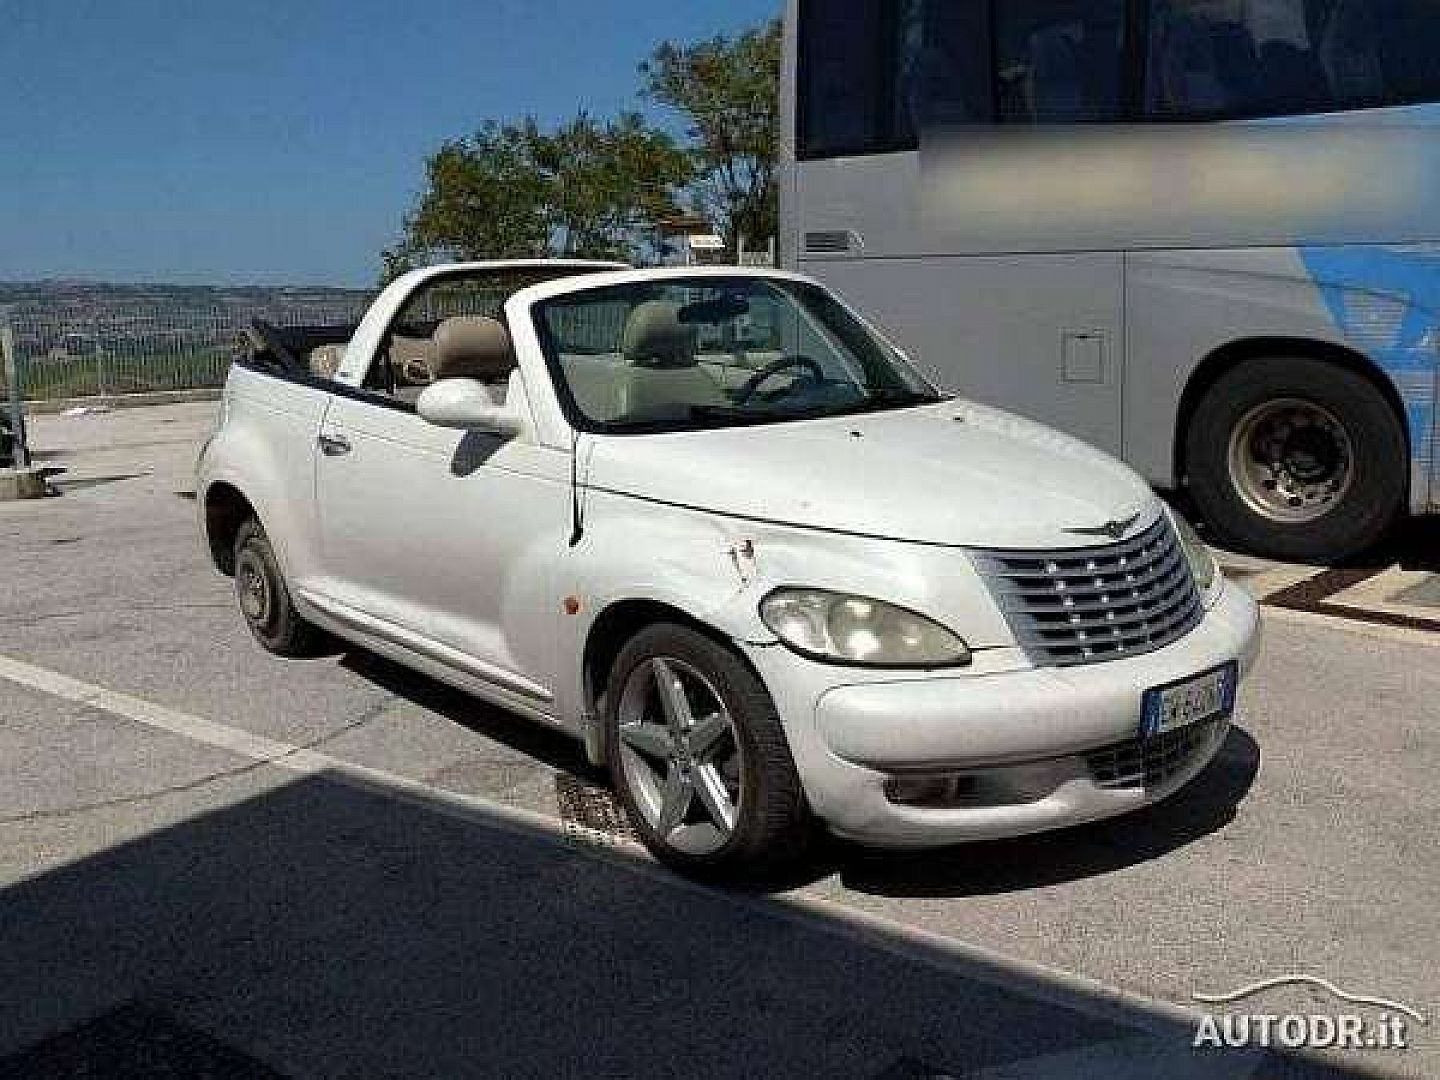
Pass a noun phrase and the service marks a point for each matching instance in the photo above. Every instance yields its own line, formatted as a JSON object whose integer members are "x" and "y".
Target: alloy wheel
{"x": 680, "y": 758}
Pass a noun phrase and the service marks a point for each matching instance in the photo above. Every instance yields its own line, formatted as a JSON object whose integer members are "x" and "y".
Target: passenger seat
{"x": 474, "y": 347}
{"x": 661, "y": 378}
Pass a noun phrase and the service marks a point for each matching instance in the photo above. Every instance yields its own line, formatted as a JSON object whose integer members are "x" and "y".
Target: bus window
{"x": 1222, "y": 59}
{"x": 942, "y": 66}
{"x": 1060, "y": 61}
{"x": 841, "y": 81}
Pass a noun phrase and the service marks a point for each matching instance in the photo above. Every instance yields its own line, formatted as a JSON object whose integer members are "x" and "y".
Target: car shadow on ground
{"x": 529, "y": 737}
{"x": 326, "y": 926}
{"x": 1204, "y": 806}
{"x": 987, "y": 868}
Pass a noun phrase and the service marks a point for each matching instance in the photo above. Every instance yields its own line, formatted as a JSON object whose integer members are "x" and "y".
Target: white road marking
{"x": 257, "y": 748}
{"x": 1038, "y": 982}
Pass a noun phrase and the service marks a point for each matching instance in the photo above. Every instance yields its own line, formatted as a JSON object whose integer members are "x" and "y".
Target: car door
{"x": 443, "y": 541}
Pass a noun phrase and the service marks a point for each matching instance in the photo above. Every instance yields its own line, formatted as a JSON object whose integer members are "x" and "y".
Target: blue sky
{"x": 270, "y": 141}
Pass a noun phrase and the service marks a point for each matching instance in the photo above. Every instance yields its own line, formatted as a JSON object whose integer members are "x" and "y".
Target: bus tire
{"x": 1297, "y": 459}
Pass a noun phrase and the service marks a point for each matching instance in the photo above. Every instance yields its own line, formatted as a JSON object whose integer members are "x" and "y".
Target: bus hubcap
{"x": 1291, "y": 461}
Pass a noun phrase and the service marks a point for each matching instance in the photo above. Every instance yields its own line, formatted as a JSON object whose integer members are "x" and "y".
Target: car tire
{"x": 265, "y": 601}
{"x": 771, "y": 823}
{"x": 1297, "y": 459}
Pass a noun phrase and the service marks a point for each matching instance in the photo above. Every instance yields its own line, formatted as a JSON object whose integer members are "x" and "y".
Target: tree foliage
{"x": 585, "y": 189}
{"x": 596, "y": 189}
{"x": 728, "y": 90}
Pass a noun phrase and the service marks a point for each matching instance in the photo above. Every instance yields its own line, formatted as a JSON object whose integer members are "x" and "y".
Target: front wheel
{"x": 699, "y": 758}
{"x": 1297, "y": 459}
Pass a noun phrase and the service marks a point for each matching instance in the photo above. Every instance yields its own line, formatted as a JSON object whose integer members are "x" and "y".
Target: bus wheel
{"x": 1297, "y": 459}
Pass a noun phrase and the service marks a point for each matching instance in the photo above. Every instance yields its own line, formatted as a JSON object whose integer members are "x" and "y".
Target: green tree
{"x": 728, "y": 90}
{"x": 607, "y": 184}
{"x": 483, "y": 198}
{"x": 585, "y": 189}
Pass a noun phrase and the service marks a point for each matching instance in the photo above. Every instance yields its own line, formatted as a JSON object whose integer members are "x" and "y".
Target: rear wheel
{"x": 699, "y": 758}
{"x": 265, "y": 598}
{"x": 1297, "y": 459}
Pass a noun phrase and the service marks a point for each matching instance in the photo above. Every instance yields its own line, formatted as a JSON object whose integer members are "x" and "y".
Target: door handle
{"x": 334, "y": 445}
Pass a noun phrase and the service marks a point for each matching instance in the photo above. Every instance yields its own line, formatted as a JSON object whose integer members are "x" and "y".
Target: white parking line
{"x": 257, "y": 748}
{"x": 1035, "y": 981}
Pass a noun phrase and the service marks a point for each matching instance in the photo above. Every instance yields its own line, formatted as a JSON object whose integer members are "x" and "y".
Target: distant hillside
{"x": 82, "y": 338}
{"x": 69, "y": 296}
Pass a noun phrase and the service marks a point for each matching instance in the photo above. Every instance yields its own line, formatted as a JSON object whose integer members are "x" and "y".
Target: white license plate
{"x": 1169, "y": 708}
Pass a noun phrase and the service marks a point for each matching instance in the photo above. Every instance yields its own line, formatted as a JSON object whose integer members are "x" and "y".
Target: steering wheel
{"x": 770, "y": 370}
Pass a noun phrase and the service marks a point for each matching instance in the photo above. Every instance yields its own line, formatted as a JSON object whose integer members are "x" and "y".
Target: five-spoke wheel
{"x": 699, "y": 757}
{"x": 679, "y": 755}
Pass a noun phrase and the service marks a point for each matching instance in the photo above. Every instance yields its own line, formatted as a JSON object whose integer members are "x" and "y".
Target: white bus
{"x": 1030, "y": 196}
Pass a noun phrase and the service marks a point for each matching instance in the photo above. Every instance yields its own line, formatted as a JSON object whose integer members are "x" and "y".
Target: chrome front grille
{"x": 1085, "y": 605}
{"x": 1151, "y": 763}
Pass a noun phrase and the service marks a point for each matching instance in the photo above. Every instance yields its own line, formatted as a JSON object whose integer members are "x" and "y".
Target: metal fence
{"x": 104, "y": 348}
{"x": 109, "y": 341}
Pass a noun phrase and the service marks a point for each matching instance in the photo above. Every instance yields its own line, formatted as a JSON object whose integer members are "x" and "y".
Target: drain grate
{"x": 133, "y": 1043}
{"x": 591, "y": 811}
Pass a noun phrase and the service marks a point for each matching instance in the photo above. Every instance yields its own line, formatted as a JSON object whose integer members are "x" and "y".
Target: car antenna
{"x": 577, "y": 531}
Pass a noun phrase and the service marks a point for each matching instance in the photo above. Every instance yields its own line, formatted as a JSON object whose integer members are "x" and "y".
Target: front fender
{"x": 716, "y": 570}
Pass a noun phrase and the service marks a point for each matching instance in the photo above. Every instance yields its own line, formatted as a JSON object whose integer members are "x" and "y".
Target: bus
{"x": 1201, "y": 234}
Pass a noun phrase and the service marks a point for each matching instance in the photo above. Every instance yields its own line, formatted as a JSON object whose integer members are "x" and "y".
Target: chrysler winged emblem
{"x": 1115, "y": 530}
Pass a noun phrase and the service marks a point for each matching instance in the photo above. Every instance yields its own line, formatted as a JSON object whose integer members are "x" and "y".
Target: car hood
{"x": 954, "y": 473}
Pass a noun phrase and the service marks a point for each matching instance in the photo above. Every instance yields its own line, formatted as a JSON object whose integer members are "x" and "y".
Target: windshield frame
{"x": 926, "y": 393}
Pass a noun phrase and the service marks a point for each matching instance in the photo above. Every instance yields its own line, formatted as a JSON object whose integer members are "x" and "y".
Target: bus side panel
{"x": 1182, "y": 306}
{"x": 1038, "y": 334}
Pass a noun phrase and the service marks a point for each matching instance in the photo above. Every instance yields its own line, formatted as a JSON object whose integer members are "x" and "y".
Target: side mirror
{"x": 469, "y": 405}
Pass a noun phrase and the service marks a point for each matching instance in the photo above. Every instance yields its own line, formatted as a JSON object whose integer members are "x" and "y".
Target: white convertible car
{"x": 710, "y": 522}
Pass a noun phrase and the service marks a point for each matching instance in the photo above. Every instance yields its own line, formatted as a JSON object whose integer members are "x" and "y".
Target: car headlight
{"x": 856, "y": 630}
{"x": 1202, "y": 564}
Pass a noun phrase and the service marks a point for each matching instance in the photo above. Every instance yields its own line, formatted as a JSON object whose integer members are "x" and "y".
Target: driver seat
{"x": 661, "y": 377}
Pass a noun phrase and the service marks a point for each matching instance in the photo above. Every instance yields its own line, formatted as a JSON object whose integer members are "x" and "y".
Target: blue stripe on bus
{"x": 1386, "y": 301}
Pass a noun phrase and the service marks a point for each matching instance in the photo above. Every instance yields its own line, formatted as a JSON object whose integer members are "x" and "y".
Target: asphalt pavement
{"x": 213, "y": 861}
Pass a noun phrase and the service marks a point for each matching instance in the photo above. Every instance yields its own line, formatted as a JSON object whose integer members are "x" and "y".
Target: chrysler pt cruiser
{"x": 714, "y": 525}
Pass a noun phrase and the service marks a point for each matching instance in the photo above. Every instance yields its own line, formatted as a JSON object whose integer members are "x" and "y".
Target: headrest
{"x": 656, "y": 338}
{"x": 471, "y": 347}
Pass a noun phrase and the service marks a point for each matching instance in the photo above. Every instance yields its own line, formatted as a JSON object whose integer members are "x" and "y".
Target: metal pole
{"x": 17, "y": 394}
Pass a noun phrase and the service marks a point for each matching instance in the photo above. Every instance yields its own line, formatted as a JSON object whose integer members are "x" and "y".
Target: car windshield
{"x": 686, "y": 353}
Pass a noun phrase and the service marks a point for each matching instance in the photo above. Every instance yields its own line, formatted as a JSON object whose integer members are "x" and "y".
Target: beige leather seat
{"x": 592, "y": 381}
{"x": 465, "y": 347}
{"x": 661, "y": 377}
{"x": 473, "y": 347}
{"x": 412, "y": 361}
{"x": 325, "y": 360}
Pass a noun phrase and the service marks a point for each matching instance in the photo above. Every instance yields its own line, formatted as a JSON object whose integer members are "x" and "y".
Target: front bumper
{"x": 1058, "y": 732}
